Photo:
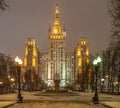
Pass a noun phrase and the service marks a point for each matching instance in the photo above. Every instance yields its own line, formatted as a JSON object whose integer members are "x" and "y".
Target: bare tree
{"x": 114, "y": 10}
{"x": 3, "y": 5}
{"x": 112, "y": 53}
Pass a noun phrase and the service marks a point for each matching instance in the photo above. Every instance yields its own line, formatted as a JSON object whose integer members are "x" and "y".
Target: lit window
{"x": 79, "y": 62}
{"x": 87, "y": 53}
{"x": 28, "y": 42}
{"x": 33, "y": 62}
{"x": 84, "y": 42}
{"x": 34, "y": 52}
{"x": 25, "y": 62}
{"x": 26, "y": 50}
{"x": 55, "y": 31}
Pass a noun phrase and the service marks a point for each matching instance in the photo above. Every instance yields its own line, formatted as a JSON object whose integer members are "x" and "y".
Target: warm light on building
{"x": 87, "y": 52}
{"x": 56, "y": 51}
{"x": 34, "y": 51}
{"x": 26, "y": 50}
{"x": 83, "y": 64}
{"x": 30, "y": 62}
{"x": 25, "y": 62}
{"x": 57, "y": 64}
{"x": 78, "y": 52}
{"x": 79, "y": 62}
{"x": 31, "y": 53}
{"x": 88, "y": 61}
{"x": 33, "y": 62}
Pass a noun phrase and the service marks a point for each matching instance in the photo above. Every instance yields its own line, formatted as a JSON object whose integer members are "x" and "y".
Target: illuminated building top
{"x": 30, "y": 53}
{"x": 57, "y": 31}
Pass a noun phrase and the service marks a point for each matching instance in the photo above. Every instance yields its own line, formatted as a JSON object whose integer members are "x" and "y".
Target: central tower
{"x": 56, "y": 53}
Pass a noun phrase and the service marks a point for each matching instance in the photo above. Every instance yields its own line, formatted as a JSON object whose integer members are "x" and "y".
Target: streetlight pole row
{"x": 96, "y": 63}
{"x": 19, "y": 96}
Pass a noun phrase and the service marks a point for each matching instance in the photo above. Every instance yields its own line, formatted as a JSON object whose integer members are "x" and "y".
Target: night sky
{"x": 32, "y": 18}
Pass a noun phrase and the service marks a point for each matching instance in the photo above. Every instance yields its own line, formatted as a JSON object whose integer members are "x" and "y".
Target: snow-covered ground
{"x": 55, "y": 105}
{"x": 82, "y": 100}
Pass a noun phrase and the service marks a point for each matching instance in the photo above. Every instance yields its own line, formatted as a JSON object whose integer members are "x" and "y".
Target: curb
{"x": 106, "y": 105}
{"x": 8, "y": 105}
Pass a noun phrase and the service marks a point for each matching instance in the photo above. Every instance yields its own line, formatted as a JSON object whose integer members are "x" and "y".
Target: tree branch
{"x": 3, "y": 5}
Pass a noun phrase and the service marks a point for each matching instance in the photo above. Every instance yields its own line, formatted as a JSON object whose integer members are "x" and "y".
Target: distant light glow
{"x": 106, "y": 76}
{"x": 102, "y": 79}
{"x": 1, "y": 82}
{"x": 49, "y": 83}
{"x": 18, "y": 60}
{"x": 99, "y": 59}
{"x": 12, "y": 79}
{"x": 95, "y": 62}
{"x": 63, "y": 83}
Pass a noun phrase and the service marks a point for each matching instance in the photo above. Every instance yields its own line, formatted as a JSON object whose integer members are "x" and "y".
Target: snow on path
{"x": 55, "y": 105}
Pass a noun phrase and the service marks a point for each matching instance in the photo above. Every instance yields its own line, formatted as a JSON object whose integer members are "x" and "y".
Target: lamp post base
{"x": 95, "y": 99}
{"x": 19, "y": 98}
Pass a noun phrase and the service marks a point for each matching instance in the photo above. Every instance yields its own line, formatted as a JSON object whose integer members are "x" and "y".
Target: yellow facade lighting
{"x": 25, "y": 62}
{"x": 80, "y": 62}
{"x": 33, "y": 62}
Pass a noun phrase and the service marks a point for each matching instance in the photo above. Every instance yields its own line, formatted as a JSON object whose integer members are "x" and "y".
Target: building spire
{"x": 56, "y": 22}
{"x": 56, "y": 11}
{"x": 56, "y": 29}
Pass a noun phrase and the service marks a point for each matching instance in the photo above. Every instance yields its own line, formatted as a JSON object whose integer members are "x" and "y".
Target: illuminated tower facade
{"x": 56, "y": 53}
{"x": 70, "y": 74}
{"x": 30, "y": 64}
{"x": 82, "y": 66}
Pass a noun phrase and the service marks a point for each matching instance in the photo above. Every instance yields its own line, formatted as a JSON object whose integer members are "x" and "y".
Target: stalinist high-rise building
{"x": 30, "y": 64}
{"x": 56, "y": 52}
{"x": 82, "y": 65}
{"x": 57, "y": 68}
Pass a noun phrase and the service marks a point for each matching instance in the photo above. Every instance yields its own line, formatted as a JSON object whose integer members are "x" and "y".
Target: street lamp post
{"x": 102, "y": 84}
{"x": 96, "y": 63}
{"x": 12, "y": 82}
{"x": 19, "y": 62}
{"x": 1, "y": 83}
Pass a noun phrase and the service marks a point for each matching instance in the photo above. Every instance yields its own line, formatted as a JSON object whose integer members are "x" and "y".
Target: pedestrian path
{"x": 4, "y": 104}
{"x": 11, "y": 104}
{"x": 112, "y": 104}
{"x": 83, "y": 100}
{"x": 55, "y": 105}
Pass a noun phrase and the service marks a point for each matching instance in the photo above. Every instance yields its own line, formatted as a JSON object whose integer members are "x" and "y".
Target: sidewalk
{"x": 111, "y": 104}
{"x": 54, "y": 105}
{"x": 4, "y": 104}
{"x": 83, "y": 100}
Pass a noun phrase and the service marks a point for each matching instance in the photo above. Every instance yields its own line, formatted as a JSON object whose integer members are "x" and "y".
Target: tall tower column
{"x": 57, "y": 51}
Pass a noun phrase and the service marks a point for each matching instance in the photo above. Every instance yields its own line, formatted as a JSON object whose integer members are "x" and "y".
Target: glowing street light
{"x": 19, "y": 63}
{"x": 96, "y": 64}
{"x": 18, "y": 60}
{"x": 12, "y": 79}
{"x": 97, "y": 61}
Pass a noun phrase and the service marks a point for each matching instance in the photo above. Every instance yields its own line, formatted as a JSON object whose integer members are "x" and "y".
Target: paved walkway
{"x": 112, "y": 104}
{"x": 4, "y": 104}
{"x": 83, "y": 100}
{"x": 9, "y": 104}
{"x": 55, "y": 105}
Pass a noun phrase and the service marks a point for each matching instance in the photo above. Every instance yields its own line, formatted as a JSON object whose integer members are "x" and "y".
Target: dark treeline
{"x": 111, "y": 56}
